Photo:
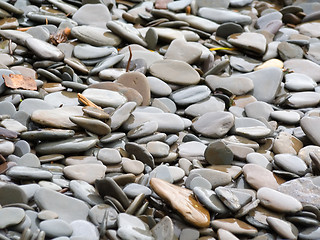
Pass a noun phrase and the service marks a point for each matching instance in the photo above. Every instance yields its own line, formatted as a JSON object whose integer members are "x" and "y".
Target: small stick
{"x": 86, "y": 101}
{"x": 129, "y": 60}
{"x": 10, "y": 47}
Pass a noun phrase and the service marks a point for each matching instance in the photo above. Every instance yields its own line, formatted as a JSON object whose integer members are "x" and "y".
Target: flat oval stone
{"x": 304, "y": 66}
{"x": 109, "y": 156}
{"x": 164, "y": 229}
{"x": 218, "y": 153}
{"x": 140, "y": 152}
{"x": 283, "y": 228}
{"x": 11, "y": 216}
{"x": 55, "y": 228}
{"x": 213, "y": 104}
{"x": 299, "y": 82}
{"x": 286, "y": 143}
{"x": 258, "y": 110}
{"x": 145, "y": 129}
{"x": 86, "y": 172}
{"x": 28, "y": 173}
{"x": 86, "y": 51}
{"x": 237, "y": 85}
{"x": 213, "y": 124}
{"x": 47, "y": 134}
{"x": 104, "y": 98}
{"x": 174, "y": 71}
{"x": 58, "y": 118}
{"x": 291, "y": 163}
{"x": 190, "y": 95}
{"x": 187, "y": 206}
{"x": 223, "y": 15}
{"x": 95, "y": 36}
{"x": 67, "y": 146}
{"x": 132, "y": 166}
{"x": 85, "y": 191}
{"x": 303, "y": 99}
{"x": 91, "y": 124}
{"x": 68, "y": 208}
{"x": 278, "y": 201}
{"x": 92, "y": 14}
{"x": 158, "y": 149}
{"x": 215, "y": 177}
{"x": 286, "y": 116}
{"x": 309, "y": 125}
{"x": 44, "y": 50}
{"x": 82, "y": 229}
{"x": 235, "y": 226}
{"x": 158, "y": 87}
{"x": 254, "y": 42}
{"x": 192, "y": 150}
{"x": 259, "y": 177}
{"x": 12, "y": 194}
{"x": 198, "y": 22}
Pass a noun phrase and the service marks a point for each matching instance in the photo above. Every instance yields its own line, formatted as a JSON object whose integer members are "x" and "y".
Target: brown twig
{"x": 129, "y": 60}
{"x": 86, "y": 101}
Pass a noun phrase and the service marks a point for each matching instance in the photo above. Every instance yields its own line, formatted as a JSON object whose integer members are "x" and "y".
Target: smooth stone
{"x": 289, "y": 51}
{"x": 131, "y": 227}
{"x": 21, "y": 147}
{"x": 29, "y": 105}
{"x": 305, "y": 67}
{"x": 158, "y": 149}
{"x": 237, "y": 85}
{"x": 286, "y": 143}
{"x": 174, "y": 71}
{"x": 6, "y": 147}
{"x": 165, "y": 104}
{"x": 109, "y": 156}
{"x": 270, "y": 63}
{"x": 228, "y": 28}
{"x": 303, "y": 190}
{"x": 12, "y": 194}
{"x": 259, "y": 159}
{"x": 164, "y": 229}
{"x": 86, "y": 192}
{"x": 283, "y": 228}
{"x": 145, "y": 129}
{"x": 286, "y": 116}
{"x": 107, "y": 62}
{"x": 55, "y": 228}
{"x": 218, "y": 153}
{"x": 190, "y": 95}
{"x": 235, "y": 226}
{"x": 47, "y": 215}
{"x": 210, "y": 200}
{"x": 303, "y": 99}
{"x": 265, "y": 19}
{"x": 91, "y": 124}
{"x": 213, "y": 124}
{"x": 29, "y": 160}
{"x": 240, "y": 152}
{"x": 74, "y": 160}
{"x": 224, "y": 235}
{"x": 258, "y": 110}
{"x": 259, "y": 177}
{"x": 176, "y": 51}
{"x": 44, "y": 50}
{"x": 64, "y": 98}
{"x": 176, "y": 173}
{"x": 97, "y": 215}
{"x": 132, "y": 190}
{"x": 95, "y": 36}
{"x": 132, "y": 166}
{"x": 95, "y": 113}
{"x": 16, "y": 36}
{"x": 162, "y": 172}
{"x": 97, "y": 15}
{"x": 58, "y": 118}
{"x": 266, "y": 82}
{"x": 82, "y": 229}
{"x": 158, "y": 87}
{"x": 167, "y": 122}
{"x": 278, "y": 201}
{"x": 28, "y": 173}
{"x": 309, "y": 29}
{"x": 7, "y": 108}
{"x": 228, "y": 198}
{"x": 313, "y": 52}
{"x": 13, "y": 125}
{"x": 86, "y": 51}
{"x": 104, "y": 98}
{"x": 215, "y": 177}
{"x": 10, "y": 216}
{"x": 198, "y": 22}
{"x": 223, "y": 15}
{"x": 192, "y": 150}
{"x": 68, "y": 208}
{"x": 254, "y": 42}
{"x": 86, "y": 172}
{"x": 74, "y": 145}
{"x": 140, "y": 152}
{"x": 291, "y": 163}
{"x": 127, "y": 32}
{"x": 47, "y": 134}
{"x": 177, "y": 6}
{"x": 251, "y": 128}
{"x": 50, "y": 185}
{"x": 311, "y": 233}
{"x": 139, "y": 82}
{"x": 187, "y": 206}
{"x": 308, "y": 125}
{"x": 212, "y": 104}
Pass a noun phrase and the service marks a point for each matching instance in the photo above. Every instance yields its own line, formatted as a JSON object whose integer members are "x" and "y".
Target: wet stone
{"x": 11, "y": 216}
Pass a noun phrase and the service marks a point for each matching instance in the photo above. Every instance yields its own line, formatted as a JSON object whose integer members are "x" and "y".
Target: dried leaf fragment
{"x": 19, "y": 81}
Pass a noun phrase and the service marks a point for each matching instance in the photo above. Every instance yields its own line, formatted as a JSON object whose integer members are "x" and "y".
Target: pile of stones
{"x": 159, "y": 119}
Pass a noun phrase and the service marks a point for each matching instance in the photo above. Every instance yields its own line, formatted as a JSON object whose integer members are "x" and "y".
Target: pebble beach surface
{"x": 160, "y": 119}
